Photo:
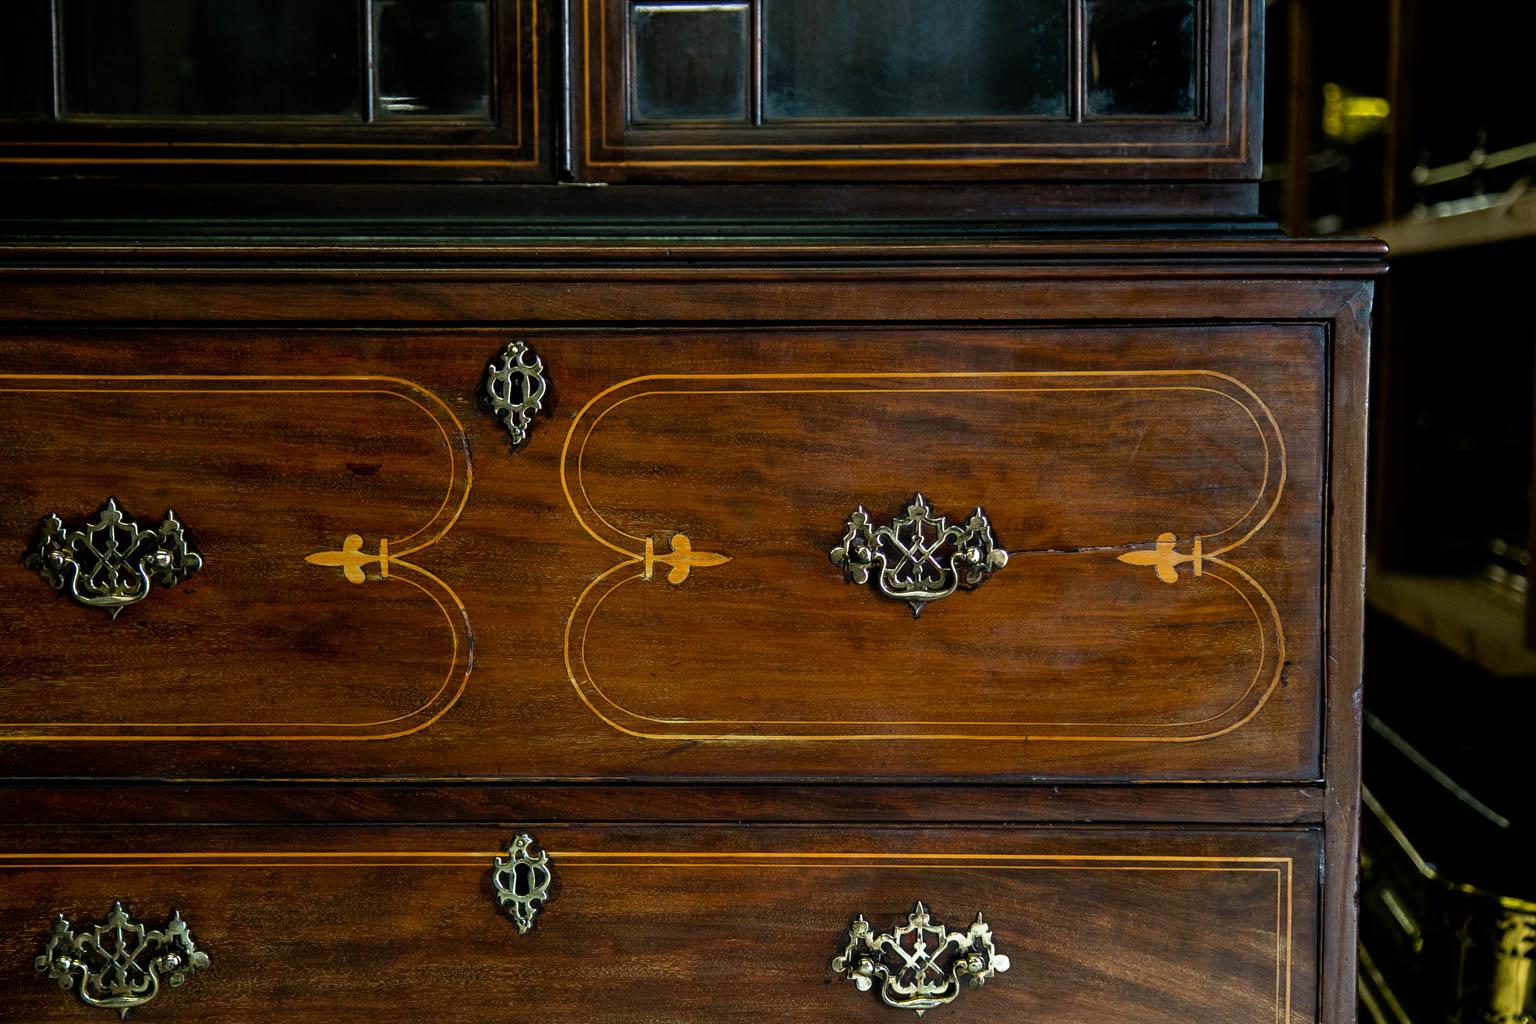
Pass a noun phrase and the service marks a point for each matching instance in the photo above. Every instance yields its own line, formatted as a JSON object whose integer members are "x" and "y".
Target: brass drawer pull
{"x": 522, "y": 882}
{"x": 515, "y": 387}
{"x": 918, "y": 557}
{"x": 919, "y": 965}
{"x": 112, "y": 561}
{"x": 119, "y": 964}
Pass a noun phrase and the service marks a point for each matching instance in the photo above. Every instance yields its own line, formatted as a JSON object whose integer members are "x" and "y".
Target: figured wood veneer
{"x": 1209, "y": 879}
{"x": 688, "y": 923}
{"x": 312, "y": 509}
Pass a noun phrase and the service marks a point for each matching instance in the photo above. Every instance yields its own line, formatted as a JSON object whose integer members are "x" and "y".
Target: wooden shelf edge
{"x": 1461, "y": 613}
{"x": 1506, "y": 222}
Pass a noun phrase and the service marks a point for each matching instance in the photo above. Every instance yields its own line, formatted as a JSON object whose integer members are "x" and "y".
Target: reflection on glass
{"x": 212, "y": 58}
{"x": 26, "y": 73}
{"x": 433, "y": 58}
{"x": 690, "y": 61}
{"x": 1141, "y": 57}
{"x": 915, "y": 58}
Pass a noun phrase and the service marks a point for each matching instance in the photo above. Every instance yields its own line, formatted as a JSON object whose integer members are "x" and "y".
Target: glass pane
{"x": 690, "y": 61}
{"x": 915, "y": 58}
{"x": 433, "y": 58}
{"x": 169, "y": 58}
{"x": 26, "y": 65}
{"x": 1141, "y": 57}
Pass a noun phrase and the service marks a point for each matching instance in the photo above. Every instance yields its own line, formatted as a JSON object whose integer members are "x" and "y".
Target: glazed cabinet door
{"x": 311, "y": 90}
{"x": 598, "y": 925}
{"x": 1088, "y": 552}
{"x": 763, "y": 90}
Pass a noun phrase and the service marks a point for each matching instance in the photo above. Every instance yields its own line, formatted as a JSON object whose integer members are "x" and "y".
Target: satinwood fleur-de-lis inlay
{"x": 1165, "y": 559}
{"x": 682, "y": 559}
{"x": 351, "y": 559}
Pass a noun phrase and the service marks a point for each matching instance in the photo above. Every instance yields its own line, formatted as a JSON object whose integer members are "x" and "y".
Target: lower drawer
{"x": 663, "y": 924}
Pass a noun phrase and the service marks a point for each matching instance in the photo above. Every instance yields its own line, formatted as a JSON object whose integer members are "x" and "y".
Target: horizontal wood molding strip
{"x": 1018, "y": 257}
{"x": 149, "y": 803}
{"x": 351, "y": 297}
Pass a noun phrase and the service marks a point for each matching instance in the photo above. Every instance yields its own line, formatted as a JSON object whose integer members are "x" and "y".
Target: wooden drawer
{"x": 647, "y": 584}
{"x": 346, "y": 924}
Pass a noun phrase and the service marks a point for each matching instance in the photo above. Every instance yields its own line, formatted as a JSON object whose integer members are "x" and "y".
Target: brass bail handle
{"x": 111, "y": 560}
{"x": 921, "y": 964}
{"x": 918, "y": 557}
{"x": 119, "y": 963}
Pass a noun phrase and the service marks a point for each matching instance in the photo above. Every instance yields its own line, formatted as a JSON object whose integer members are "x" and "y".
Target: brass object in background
{"x": 1434, "y": 947}
{"x": 919, "y": 557}
{"x": 1509, "y": 937}
{"x": 111, "y": 561}
{"x": 515, "y": 387}
{"x": 119, "y": 964}
{"x": 920, "y": 965}
{"x": 1348, "y": 117}
{"x": 522, "y": 882}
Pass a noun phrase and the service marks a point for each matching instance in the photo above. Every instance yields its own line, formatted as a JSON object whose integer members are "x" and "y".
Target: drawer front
{"x": 895, "y": 552}
{"x": 347, "y": 924}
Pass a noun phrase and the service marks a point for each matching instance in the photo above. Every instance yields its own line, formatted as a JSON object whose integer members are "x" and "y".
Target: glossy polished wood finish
{"x": 443, "y": 216}
{"x": 1064, "y": 502}
{"x": 823, "y": 278}
{"x": 1290, "y": 319}
{"x": 533, "y": 804}
{"x": 342, "y": 924}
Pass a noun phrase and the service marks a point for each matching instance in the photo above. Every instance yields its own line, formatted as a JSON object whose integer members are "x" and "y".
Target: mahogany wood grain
{"x": 344, "y": 924}
{"x": 1294, "y": 316}
{"x": 1349, "y": 417}
{"x": 491, "y": 213}
{"x": 1082, "y": 445}
{"x": 1117, "y": 282}
{"x": 98, "y": 802}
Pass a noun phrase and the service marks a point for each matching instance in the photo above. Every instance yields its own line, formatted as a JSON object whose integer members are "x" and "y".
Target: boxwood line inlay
{"x": 636, "y": 860}
{"x": 1161, "y": 555}
{"x": 683, "y": 558}
{"x": 351, "y": 559}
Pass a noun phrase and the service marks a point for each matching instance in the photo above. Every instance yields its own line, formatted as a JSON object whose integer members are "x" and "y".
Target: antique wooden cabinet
{"x": 889, "y": 546}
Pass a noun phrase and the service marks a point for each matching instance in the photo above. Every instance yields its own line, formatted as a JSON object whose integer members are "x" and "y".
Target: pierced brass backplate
{"x": 111, "y": 561}
{"x": 918, "y": 557}
{"x": 919, "y": 965}
{"x": 119, "y": 964}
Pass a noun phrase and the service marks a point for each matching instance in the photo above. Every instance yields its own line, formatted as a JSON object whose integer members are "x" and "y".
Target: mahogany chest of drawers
{"x": 631, "y": 561}
{"x": 842, "y": 565}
